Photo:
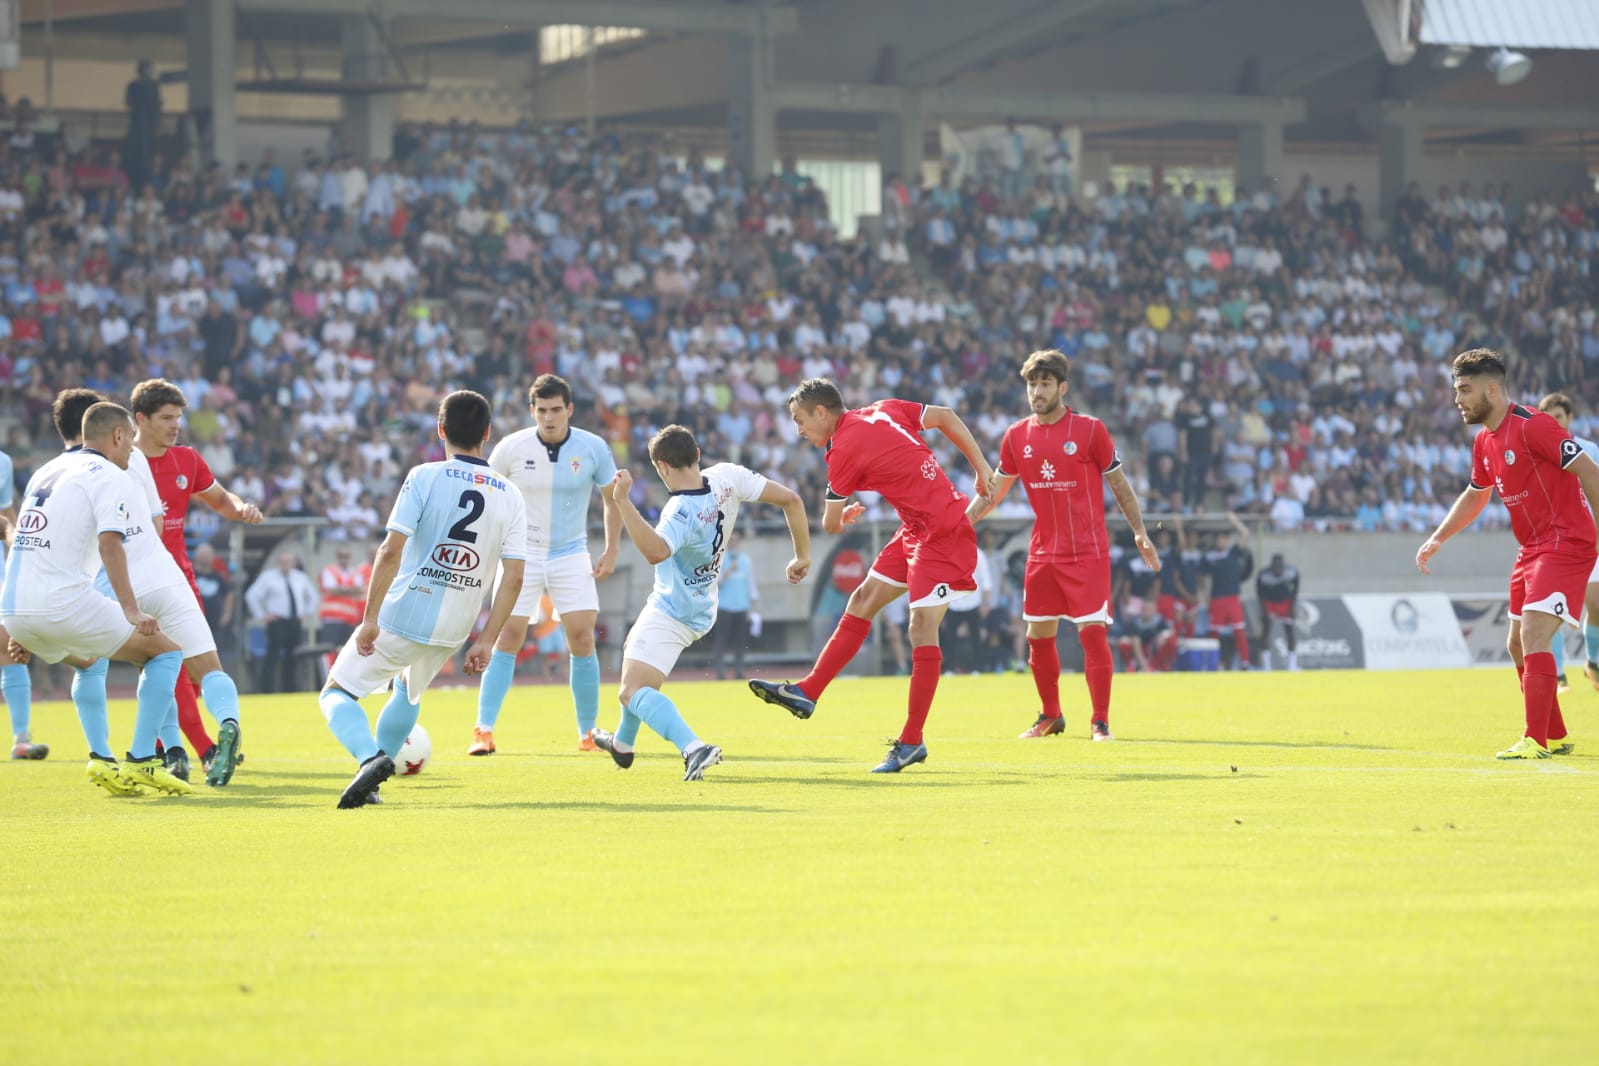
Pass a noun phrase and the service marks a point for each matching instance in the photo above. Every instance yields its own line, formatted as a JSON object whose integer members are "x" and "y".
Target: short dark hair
{"x": 676, "y": 447}
{"x": 817, "y": 392}
{"x": 150, "y": 396}
{"x": 102, "y": 418}
{"x": 548, "y": 385}
{"x": 1560, "y": 400}
{"x": 465, "y": 418}
{"x": 1047, "y": 361}
{"x": 1480, "y": 363}
{"x": 68, "y": 411}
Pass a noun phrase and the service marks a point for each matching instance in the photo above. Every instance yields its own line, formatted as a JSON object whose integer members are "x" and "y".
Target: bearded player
{"x": 1064, "y": 460}
{"x": 180, "y": 474}
{"x": 1550, "y": 486}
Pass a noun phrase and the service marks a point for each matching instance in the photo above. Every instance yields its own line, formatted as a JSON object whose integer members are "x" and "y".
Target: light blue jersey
{"x": 556, "y": 481}
{"x": 8, "y": 485}
{"x": 1588, "y": 446}
{"x": 459, "y": 519}
{"x": 695, "y": 525}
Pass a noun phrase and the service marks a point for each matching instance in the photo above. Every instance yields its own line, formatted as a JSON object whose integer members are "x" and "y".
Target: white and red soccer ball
{"x": 414, "y": 753}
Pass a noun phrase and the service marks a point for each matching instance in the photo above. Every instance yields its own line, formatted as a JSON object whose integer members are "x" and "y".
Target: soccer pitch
{"x": 1264, "y": 868}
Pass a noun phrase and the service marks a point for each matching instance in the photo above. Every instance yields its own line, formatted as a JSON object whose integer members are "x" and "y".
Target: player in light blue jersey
{"x": 453, "y": 523}
{"x": 557, "y": 467}
{"x": 15, "y": 680}
{"x": 686, "y": 548}
{"x": 1560, "y": 407}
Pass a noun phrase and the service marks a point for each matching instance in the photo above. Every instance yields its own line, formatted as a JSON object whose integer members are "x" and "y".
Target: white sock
{"x": 692, "y": 748}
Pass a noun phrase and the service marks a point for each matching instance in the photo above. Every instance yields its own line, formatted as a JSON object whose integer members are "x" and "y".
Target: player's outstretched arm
{"x": 947, "y": 422}
{"x": 799, "y": 527}
{"x": 605, "y": 566}
{"x": 1127, "y": 500}
{"x": 385, "y": 567}
{"x": 510, "y": 587}
{"x": 650, "y": 544}
{"x": 115, "y": 560}
{"x": 998, "y": 487}
{"x": 837, "y": 514}
{"x": 229, "y": 505}
{"x": 1468, "y": 505}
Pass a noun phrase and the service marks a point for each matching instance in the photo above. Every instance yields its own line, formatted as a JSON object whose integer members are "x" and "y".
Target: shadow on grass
{"x": 1303, "y": 744}
{"x": 871, "y": 780}
{"x": 640, "y": 807}
{"x": 1130, "y": 777}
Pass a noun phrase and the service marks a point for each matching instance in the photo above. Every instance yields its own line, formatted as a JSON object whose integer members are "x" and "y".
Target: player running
{"x": 556, "y": 467}
{"x": 1064, "y": 460}
{"x": 686, "y": 547}
{"x": 1542, "y": 475}
{"x": 75, "y": 512}
{"x": 15, "y": 681}
{"x": 1558, "y": 406}
{"x": 879, "y": 448}
{"x": 181, "y": 474}
{"x": 453, "y": 522}
{"x": 1277, "y": 588}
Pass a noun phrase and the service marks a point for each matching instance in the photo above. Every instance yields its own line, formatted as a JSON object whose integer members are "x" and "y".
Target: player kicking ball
{"x": 1550, "y": 486}
{"x": 686, "y": 548}
{"x": 453, "y": 523}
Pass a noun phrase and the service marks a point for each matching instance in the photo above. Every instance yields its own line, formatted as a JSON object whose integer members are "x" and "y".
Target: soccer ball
{"x": 414, "y": 753}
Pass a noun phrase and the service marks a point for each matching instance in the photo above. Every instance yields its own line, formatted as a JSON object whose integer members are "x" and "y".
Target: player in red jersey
{"x": 1550, "y": 486}
{"x": 180, "y": 474}
{"x": 1064, "y": 460}
{"x": 879, "y": 448}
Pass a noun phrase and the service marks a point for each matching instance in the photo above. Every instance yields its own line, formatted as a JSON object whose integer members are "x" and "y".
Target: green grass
{"x": 1293, "y": 868}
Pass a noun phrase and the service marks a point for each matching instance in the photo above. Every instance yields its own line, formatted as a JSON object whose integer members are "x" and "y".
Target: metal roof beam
{"x": 1470, "y": 116}
{"x": 708, "y": 18}
{"x": 1043, "y": 106}
{"x": 937, "y": 64}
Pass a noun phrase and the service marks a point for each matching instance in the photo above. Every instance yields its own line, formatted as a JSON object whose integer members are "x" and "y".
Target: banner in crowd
{"x": 1326, "y": 636}
{"x": 1407, "y": 632}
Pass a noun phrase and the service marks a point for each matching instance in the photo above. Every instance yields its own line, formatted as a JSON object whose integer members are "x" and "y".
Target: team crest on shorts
{"x": 1510, "y": 457}
{"x": 1071, "y": 447}
{"x": 183, "y": 481}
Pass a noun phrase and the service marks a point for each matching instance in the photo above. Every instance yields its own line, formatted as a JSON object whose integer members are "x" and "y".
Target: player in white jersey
{"x": 685, "y": 547}
{"x": 557, "y": 467}
{"x": 452, "y": 524}
{"x": 75, "y": 517}
{"x": 15, "y": 680}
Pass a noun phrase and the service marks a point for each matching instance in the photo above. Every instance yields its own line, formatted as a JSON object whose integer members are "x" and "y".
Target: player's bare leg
{"x": 17, "y": 684}
{"x": 496, "y": 683}
{"x": 1043, "y": 659}
{"x": 583, "y": 674}
{"x": 1537, "y": 671}
{"x": 865, "y": 602}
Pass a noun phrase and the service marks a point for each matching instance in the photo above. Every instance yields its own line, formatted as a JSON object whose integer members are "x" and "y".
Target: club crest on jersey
{"x": 577, "y": 464}
{"x": 183, "y": 481}
{"x": 930, "y": 468}
{"x": 1510, "y": 457}
{"x": 1071, "y": 447}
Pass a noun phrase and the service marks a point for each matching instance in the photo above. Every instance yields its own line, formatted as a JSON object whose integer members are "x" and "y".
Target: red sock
{"x": 1044, "y": 658}
{"x": 1098, "y": 668}
{"x": 926, "y": 662}
{"x": 1243, "y": 644}
{"x": 1538, "y": 694}
{"x": 189, "y": 715}
{"x": 841, "y": 648}
{"x": 1557, "y": 722}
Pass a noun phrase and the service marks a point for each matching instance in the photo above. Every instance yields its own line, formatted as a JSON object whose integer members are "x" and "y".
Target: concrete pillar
{"x": 1260, "y": 153}
{"x": 751, "y": 110}
{"x": 902, "y": 139}
{"x": 366, "y": 119}
{"x": 1399, "y": 148}
{"x": 212, "y": 55}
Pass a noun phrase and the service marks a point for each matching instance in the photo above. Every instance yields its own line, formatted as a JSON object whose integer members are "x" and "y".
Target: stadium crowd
{"x": 1261, "y": 356}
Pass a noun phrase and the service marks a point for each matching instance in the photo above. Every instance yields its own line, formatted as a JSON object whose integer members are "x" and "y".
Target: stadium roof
{"x": 1517, "y": 24}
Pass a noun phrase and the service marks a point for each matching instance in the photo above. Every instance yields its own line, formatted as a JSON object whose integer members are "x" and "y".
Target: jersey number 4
{"x": 42, "y": 491}
{"x": 473, "y": 503}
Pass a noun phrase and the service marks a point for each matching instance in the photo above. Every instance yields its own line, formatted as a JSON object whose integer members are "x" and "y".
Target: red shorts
{"x": 1079, "y": 591}
{"x": 1283, "y": 611}
{"x": 1167, "y": 606}
{"x": 1226, "y": 612}
{"x": 1550, "y": 583}
{"x": 931, "y": 569}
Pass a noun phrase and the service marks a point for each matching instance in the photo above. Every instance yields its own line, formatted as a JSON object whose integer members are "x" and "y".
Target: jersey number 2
{"x": 472, "y": 501}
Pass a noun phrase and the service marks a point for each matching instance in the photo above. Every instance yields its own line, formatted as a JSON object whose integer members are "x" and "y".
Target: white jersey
{"x": 556, "y": 482}
{"x": 150, "y": 565}
{"x": 67, "y": 505}
{"x": 696, "y": 524}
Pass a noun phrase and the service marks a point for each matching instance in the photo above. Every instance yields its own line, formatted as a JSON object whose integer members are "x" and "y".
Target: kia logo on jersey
{"x": 32, "y": 522}
{"x": 457, "y": 557}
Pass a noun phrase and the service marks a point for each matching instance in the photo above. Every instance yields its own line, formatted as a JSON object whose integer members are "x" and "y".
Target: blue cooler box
{"x": 1199, "y": 653}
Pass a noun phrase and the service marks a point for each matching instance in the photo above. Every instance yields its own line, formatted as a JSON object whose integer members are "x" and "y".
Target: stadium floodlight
{"x": 1451, "y": 57}
{"x": 1509, "y": 67}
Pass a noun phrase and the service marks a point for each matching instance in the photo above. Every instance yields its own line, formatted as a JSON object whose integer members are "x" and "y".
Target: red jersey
{"x": 179, "y": 474}
{"x": 1062, "y": 465}
{"x": 879, "y": 449}
{"x": 1526, "y": 459}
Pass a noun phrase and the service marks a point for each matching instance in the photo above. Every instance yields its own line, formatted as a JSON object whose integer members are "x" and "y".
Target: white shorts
{"x": 657, "y": 639}
{"x": 569, "y": 580}
{"x": 393, "y": 655}
{"x": 95, "y": 629}
{"x": 181, "y": 618}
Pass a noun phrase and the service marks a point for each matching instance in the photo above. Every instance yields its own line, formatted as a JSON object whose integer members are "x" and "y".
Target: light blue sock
{"x": 398, "y": 716}
{"x": 1557, "y": 648}
{"x": 348, "y": 722}
{"x": 88, "y": 696}
{"x": 1590, "y": 635}
{"x": 171, "y": 733}
{"x": 492, "y": 691}
{"x": 661, "y": 715}
{"x": 221, "y": 696}
{"x": 156, "y": 680}
{"x": 18, "y": 689}
{"x": 627, "y": 729}
{"x": 585, "y": 674}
